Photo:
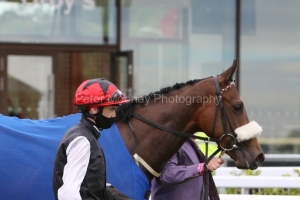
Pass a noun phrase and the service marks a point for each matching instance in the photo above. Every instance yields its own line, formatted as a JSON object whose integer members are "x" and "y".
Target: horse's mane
{"x": 124, "y": 111}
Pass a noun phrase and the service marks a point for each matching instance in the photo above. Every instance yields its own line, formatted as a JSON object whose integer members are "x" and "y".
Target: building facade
{"x": 47, "y": 48}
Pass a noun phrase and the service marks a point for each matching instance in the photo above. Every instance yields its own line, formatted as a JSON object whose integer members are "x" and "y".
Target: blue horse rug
{"x": 27, "y": 151}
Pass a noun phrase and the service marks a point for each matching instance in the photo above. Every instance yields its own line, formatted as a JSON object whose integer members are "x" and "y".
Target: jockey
{"x": 79, "y": 167}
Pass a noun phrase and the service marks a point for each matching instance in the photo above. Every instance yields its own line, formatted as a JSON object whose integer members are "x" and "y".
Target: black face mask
{"x": 104, "y": 122}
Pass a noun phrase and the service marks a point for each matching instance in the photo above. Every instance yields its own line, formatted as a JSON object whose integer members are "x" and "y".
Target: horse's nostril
{"x": 260, "y": 158}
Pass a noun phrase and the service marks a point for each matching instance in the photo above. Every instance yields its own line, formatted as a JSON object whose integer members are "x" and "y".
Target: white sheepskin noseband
{"x": 248, "y": 131}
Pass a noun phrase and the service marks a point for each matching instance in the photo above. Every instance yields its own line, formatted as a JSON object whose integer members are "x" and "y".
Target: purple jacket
{"x": 179, "y": 179}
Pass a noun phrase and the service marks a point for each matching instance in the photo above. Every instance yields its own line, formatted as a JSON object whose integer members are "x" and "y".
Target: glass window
{"x": 175, "y": 41}
{"x": 49, "y": 21}
{"x": 30, "y": 86}
{"x": 270, "y": 69}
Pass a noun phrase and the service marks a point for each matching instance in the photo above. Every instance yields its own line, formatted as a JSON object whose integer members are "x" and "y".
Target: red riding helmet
{"x": 97, "y": 92}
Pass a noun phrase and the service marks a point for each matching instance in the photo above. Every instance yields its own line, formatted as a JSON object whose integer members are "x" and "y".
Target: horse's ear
{"x": 228, "y": 74}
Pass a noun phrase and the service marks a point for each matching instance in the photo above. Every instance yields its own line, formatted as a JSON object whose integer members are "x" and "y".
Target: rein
{"x": 163, "y": 128}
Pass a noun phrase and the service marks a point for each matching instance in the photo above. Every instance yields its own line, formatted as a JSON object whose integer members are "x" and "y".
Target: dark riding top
{"x": 91, "y": 184}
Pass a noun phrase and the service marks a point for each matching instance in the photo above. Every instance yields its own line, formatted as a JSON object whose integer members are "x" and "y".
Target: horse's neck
{"x": 153, "y": 145}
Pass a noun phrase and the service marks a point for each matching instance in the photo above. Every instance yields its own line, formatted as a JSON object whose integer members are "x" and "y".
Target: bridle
{"x": 224, "y": 118}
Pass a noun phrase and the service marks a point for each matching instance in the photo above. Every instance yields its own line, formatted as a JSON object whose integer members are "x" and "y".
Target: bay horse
{"x": 211, "y": 105}
{"x": 152, "y": 128}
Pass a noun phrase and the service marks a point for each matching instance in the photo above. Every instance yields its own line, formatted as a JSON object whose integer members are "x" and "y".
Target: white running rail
{"x": 264, "y": 171}
{"x": 269, "y": 177}
{"x": 257, "y": 182}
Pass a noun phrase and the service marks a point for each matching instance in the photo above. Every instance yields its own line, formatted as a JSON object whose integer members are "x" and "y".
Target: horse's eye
{"x": 238, "y": 107}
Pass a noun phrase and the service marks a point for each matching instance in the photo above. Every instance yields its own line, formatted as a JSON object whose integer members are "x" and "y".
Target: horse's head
{"x": 224, "y": 117}
{"x": 161, "y": 121}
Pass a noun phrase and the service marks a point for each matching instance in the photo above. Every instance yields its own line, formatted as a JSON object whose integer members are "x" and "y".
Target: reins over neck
{"x": 163, "y": 128}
